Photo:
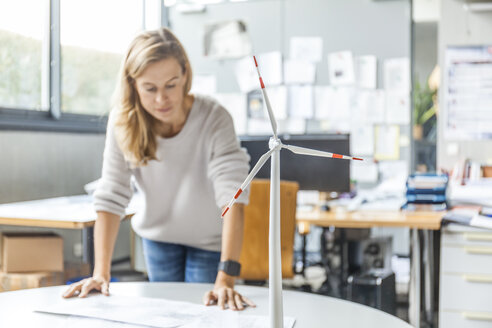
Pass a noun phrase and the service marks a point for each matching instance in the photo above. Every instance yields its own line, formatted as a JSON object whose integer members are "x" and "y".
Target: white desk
{"x": 310, "y": 310}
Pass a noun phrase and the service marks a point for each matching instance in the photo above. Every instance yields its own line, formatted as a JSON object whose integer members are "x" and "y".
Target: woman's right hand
{"x": 83, "y": 287}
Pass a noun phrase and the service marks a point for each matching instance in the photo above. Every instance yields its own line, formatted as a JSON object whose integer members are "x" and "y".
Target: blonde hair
{"x": 135, "y": 129}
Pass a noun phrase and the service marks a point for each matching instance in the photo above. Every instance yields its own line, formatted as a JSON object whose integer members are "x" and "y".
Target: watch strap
{"x": 230, "y": 267}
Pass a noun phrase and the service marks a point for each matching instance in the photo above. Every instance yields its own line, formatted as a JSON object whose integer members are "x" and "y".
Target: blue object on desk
{"x": 441, "y": 190}
{"x": 427, "y": 207}
{"x": 426, "y": 198}
{"x": 426, "y": 192}
{"x": 486, "y": 211}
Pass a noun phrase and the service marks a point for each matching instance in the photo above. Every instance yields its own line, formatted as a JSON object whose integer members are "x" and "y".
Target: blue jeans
{"x": 174, "y": 262}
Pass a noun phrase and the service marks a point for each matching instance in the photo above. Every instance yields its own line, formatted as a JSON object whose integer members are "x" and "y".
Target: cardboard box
{"x": 17, "y": 281}
{"x": 31, "y": 252}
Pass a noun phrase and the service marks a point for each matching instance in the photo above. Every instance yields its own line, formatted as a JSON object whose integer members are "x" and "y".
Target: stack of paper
{"x": 477, "y": 193}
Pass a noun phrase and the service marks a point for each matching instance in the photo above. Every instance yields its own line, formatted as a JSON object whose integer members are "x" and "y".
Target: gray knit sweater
{"x": 197, "y": 172}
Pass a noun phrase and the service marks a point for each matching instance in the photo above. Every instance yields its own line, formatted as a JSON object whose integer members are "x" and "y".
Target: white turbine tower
{"x": 275, "y": 267}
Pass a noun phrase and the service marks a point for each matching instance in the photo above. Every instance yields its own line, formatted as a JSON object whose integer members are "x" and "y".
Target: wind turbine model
{"x": 275, "y": 267}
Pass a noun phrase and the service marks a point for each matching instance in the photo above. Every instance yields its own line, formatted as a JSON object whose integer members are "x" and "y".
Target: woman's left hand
{"x": 223, "y": 293}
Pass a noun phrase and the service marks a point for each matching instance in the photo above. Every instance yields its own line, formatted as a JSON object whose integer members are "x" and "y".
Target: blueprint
{"x": 126, "y": 311}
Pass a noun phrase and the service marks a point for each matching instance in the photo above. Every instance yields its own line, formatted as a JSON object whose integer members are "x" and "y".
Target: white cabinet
{"x": 465, "y": 299}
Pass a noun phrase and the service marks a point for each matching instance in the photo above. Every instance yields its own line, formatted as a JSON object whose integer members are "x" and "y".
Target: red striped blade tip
{"x": 224, "y": 213}
{"x": 261, "y": 82}
{"x": 357, "y": 159}
{"x": 256, "y": 63}
{"x": 238, "y": 193}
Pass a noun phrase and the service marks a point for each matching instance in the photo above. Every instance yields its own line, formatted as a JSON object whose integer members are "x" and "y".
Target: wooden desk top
{"x": 73, "y": 212}
{"x": 370, "y": 218}
{"x": 76, "y": 212}
{"x": 43, "y": 223}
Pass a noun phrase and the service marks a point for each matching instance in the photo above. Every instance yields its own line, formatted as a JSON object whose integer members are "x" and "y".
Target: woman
{"x": 186, "y": 160}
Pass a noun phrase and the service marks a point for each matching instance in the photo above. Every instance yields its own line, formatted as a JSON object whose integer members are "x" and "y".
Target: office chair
{"x": 254, "y": 254}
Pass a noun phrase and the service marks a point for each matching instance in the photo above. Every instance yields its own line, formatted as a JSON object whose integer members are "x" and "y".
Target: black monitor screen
{"x": 312, "y": 173}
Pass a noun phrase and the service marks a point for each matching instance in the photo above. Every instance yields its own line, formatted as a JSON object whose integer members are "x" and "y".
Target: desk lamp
{"x": 275, "y": 267}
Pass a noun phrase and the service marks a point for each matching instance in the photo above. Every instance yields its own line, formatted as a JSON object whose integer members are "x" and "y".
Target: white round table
{"x": 310, "y": 310}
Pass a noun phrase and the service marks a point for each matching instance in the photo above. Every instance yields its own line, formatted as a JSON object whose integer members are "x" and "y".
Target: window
{"x": 92, "y": 46}
{"x": 59, "y": 59}
{"x": 21, "y": 54}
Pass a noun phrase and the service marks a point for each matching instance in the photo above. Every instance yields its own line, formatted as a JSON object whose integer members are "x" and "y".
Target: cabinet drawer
{"x": 483, "y": 237}
{"x": 470, "y": 292}
{"x": 466, "y": 259}
{"x": 465, "y": 319}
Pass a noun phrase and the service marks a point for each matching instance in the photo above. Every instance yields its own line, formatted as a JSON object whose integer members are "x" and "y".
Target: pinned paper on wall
{"x": 323, "y": 100}
{"x": 342, "y": 104}
{"x": 246, "y": 75}
{"x": 259, "y": 127}
{"x": 371, "y": 106}
{"x": 255, "y": 105}
{"x": 387, "y": 142}
{"x": 229, "y": 39}
{"x": 278, "y": 101}
{"x": 271, "y": 67}
{"x": 397, "y": 74}
{"x": 452, "y": 149}
{"x": 306, "y": 48}
{"x": 292, "y": 126}
{"x": 341, "y": 68}
{"x": 397, "y": 107}
{"x": 366, "y": 68}
{"x": 235, "y": 103}
{"x": 362, "y": 140}
{"x": 299, "y": 72}
{"x": 204, "y": 84}
{"x": 301, "y": 101}
{"x": 332, "y": 126}
{"x": 404, "y": 140}
{"x": 392, "y": 169}
{"x": 364, "y": 172}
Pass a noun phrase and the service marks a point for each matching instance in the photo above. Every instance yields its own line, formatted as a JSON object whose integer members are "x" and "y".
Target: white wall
{"x": 37, "y": 165}
{"x": 425, "y": 50}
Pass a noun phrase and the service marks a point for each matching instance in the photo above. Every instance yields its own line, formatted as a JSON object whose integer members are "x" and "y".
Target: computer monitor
{"x": 312, "y": 173}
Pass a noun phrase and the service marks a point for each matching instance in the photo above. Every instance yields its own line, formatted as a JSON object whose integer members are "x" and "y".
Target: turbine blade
{"x": 313, "y": 152}
{"x": 248, "y": 179}
{"x": 273, "y": 122}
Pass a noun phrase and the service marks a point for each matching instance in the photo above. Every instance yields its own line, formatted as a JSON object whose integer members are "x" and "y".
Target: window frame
{"x": 51, "y": 117}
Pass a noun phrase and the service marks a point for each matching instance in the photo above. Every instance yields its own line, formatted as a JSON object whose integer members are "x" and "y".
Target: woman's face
{"x": 161, "y": 91}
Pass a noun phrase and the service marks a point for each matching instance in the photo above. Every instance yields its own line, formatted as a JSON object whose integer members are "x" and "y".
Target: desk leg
{"x": 303, "y": 270}
{"x": 343, "y": 263}
{"x": 88, "y": 245}
{"x": 428, "y": 242}
{"x": 414, "y": 288}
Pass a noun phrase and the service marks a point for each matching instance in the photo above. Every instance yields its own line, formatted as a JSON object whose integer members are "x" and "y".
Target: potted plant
{"x": 424, "y": 108}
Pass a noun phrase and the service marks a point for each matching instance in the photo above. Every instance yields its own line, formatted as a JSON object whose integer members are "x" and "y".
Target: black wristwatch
{"x": 232, "y": 268}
